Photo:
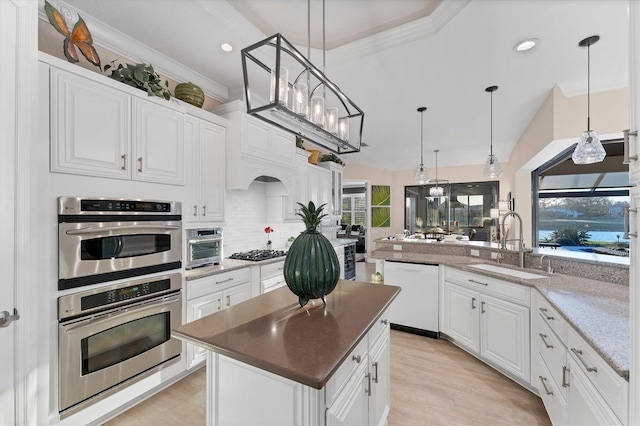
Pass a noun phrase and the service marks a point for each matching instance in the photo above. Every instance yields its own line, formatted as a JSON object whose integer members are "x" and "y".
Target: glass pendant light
{"x": 492, "y": 168}
{"x": 589, "y": 149}
{"x": 436, "y": 191}
{"x": 421, "y": 176}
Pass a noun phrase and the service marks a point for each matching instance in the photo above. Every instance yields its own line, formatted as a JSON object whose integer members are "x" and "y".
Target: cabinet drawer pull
{"x": 544, "y": 337}
{"x": 139, "y": 164}
{"x": 228, "y": 301}
{"x": 384, "y": 321}
{"x": 124, "y": 161}
{"x": 473, "y": 303}
{"x": 375, "y": 369}
{"x": 224, "y": 281}
{"x": 219, "y": 304}
{"x": 477, "y": 282}
{"x": 356, "y": 358}
{"x": 482, "y": 311}
{"x": 195, "y": 210}
{"x": 544, "y": 311}
{"x": 578, "y": 353}
{"x": 204, "y": 210}
{"x": 543, "y": 380}
{"x": 565, "y": 370}
{"x": 368, "y": 389}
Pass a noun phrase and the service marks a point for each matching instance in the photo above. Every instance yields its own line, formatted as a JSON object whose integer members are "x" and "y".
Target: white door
{"x": 8, "y": 12}
{"x": 18, "y": 20}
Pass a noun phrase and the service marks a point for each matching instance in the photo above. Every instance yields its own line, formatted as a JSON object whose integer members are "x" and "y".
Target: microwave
{"x": 204, "y": 247}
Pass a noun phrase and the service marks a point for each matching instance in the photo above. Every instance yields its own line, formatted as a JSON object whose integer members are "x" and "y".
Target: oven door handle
{"x": 137, "y": 228}
{"x": 205, "y": 240}
{"x": 127, "y": 311}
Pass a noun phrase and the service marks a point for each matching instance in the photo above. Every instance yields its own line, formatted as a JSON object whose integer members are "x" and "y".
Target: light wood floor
{"x": 432, "y": 383}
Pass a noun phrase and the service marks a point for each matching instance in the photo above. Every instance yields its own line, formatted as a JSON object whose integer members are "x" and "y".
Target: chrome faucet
{"x": 549, "y": 269}
{"x": 520, "y": 239}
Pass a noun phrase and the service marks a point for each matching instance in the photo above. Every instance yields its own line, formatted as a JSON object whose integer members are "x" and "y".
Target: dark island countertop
{"x": 272, "y": 332}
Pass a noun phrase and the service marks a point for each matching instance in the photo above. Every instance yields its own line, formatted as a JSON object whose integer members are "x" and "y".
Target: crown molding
{"x": 402, "y": 34}
{"x": 115, "y": 41}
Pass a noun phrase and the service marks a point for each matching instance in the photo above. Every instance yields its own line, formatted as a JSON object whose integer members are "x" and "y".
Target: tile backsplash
{"x": 246, "y": 219}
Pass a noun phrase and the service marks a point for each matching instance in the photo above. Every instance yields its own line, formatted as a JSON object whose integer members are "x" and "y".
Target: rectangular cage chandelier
{"x": 283, "y": 88}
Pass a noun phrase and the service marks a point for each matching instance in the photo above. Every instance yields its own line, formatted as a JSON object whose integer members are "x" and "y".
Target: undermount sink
{"x": 507, "y": 271}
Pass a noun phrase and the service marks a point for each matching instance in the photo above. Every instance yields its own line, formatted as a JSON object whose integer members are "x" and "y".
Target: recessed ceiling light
{"x": 226, "y": 47}
{"x": 525, "y": 45}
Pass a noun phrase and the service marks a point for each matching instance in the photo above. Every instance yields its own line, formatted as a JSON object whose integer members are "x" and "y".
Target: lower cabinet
{"x": 206, "y": 296}
{"x": 497, "y": 330}
{"x": 365, "y": 395}
{"x": 576, "y": 385}
{"x": 356, "y": 394}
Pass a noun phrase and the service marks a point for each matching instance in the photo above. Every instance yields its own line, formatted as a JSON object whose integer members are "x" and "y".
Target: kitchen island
{"x": 271, "y": 362}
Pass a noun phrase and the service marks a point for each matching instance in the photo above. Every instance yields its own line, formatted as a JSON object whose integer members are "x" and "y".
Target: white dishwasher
{"x": 416, "y": 308}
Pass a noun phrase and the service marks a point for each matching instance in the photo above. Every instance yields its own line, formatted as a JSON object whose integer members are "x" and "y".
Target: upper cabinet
{"x": 205, "y": 142}
{"x": 98, "y": 130}
{"x": 256, "y": 148}
{"x": 335, "y": 202}
{"x": 158, "y": 143}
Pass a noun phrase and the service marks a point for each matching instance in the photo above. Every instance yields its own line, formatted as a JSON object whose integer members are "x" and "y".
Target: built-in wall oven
{"x": 113, "y": 334}
{"x": 119, "y": 331}
{"x": 102, "y": 240}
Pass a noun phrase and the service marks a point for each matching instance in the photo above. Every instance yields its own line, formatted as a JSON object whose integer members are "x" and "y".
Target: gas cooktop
{"x": 258, "y": 255}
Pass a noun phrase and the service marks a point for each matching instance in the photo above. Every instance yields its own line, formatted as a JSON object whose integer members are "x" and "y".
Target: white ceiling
{"x": 392, "y": 56}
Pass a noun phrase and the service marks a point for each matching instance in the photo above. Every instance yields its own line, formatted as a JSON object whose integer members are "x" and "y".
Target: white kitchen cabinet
{"x": 208, "y": 295}
{"x": 334, "y": 207}
{"x": 351, "y": 407}
{"x": 576, "y": 385}
{"x": 196, "y": 309}
{"x": 98, "y": 130}
{"x": 379, "y": 366}
{"x": 90, "y": 127}
{"x": 340, "y": 253}
{"x": 481, "y": 317}
{"x": 158, "y": 142}
{"x": 205, "y": 175}
{"x": 460, "y": 320}
{"x": 504, "y": 335}
{"x": 272, "y": 277}
{"x": 417, "y": 304}
{"x": 319, "y": 186}
{"x": 356, "y": 394}
{"x": 585, "y": 405}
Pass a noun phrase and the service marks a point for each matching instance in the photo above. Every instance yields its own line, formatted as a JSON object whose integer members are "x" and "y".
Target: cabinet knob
{"x": 356, "y": 358}
{"x": 385, "y": 321}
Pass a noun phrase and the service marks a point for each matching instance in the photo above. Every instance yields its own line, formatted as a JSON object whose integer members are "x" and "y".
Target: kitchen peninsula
{"x": 271, "y": 362}
{"x": 562, "y": 335}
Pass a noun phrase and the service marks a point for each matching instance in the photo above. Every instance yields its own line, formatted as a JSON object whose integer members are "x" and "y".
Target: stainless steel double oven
{"x": 120, "y": 331}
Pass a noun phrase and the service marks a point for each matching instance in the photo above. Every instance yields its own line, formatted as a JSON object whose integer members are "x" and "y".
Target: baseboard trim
{"x": 414, "y": 330}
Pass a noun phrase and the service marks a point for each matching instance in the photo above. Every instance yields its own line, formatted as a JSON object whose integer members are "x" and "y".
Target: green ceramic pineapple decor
{"x": 311, "y": 268}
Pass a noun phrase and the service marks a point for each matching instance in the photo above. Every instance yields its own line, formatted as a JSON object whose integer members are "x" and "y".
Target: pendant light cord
{"x": 436, "y": 151}
{"x": 588, "y": 88}
{"x": 421, "y": 138}
{"x": 491, "y": 127}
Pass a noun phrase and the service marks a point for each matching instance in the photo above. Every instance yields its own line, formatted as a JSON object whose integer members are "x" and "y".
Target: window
{"x": 465, "y": 209}
{"x": 354, "y": 209}
{"x": 581, "y": 207}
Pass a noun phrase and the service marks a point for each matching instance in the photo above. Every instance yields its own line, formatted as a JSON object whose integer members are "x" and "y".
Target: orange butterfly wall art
{"x": 80, "y": 37}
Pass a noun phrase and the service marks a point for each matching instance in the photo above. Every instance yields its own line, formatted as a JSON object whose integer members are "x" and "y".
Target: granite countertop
{"x": 307, "y": 345}
{"x": 597, "y": 310}
{"x": 226, "y": 265}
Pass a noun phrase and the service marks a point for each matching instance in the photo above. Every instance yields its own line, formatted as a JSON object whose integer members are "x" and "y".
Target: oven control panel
{"x": 110, "y": 297}
{"x": 124, "y": 206}
{"x": 116, "y": 295}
